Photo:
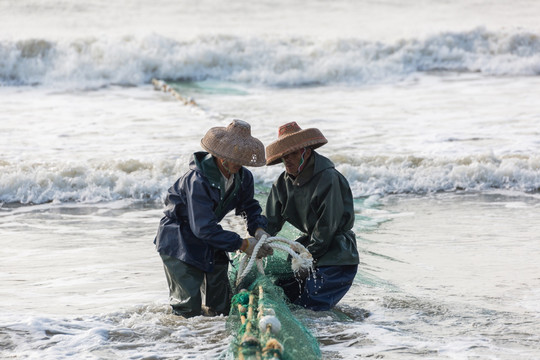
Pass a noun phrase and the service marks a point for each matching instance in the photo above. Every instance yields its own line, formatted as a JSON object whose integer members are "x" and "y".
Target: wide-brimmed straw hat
{"x": 291, "y": 138}
{"x": 235, "y": 144}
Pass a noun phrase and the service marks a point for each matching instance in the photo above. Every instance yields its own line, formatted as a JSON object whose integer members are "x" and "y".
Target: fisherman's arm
{"x": 200, "y": 201}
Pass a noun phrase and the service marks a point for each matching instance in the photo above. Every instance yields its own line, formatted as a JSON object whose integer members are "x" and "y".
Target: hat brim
{"x": 245, "y": 151}
{"x": 312, "y": 138}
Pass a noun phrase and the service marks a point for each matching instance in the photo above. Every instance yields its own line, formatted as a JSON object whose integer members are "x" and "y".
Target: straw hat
{"x": 235, "y": 144}
{"x": 291, "y": 138}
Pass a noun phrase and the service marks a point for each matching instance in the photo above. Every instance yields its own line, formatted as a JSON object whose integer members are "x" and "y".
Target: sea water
{"x": 431, "y": 111}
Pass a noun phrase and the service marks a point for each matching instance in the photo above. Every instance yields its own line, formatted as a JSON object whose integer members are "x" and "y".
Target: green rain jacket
{"x": 319, "y": 203}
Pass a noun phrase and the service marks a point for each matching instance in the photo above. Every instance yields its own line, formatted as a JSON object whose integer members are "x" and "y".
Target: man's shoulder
{"x": 193, "y": 175}
{"x": 331, "y": 176}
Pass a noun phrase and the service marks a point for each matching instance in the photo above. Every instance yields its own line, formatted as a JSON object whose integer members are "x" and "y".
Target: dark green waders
{"x": 191, "y": 290}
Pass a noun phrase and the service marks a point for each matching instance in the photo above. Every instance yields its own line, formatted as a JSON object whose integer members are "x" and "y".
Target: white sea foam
{"x": 84, "y": 182}
{"x": 140, "y": 332}
{"x": 131, "y": 60}
{"x": 148, "y": 181}
{"x": 402, "y": 175}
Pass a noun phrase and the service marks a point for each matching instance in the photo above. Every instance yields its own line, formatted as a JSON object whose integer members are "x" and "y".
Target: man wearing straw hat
{"x": 191, "y": 243}
{"x": 316, "y": 199}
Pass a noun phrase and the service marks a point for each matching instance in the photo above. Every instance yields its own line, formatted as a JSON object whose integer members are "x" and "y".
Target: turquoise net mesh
{"x": 257, "y": 301}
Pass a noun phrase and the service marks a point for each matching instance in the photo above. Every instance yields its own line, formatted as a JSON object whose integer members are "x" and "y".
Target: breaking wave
{"x": 148, "y": 181}
{"x": 131, "y": 61}
{"x": 418, "y": 175}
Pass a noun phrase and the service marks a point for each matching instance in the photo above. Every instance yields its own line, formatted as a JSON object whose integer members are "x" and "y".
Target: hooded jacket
{"x": 195, "y": 205}
{"x": 319, "y": 203}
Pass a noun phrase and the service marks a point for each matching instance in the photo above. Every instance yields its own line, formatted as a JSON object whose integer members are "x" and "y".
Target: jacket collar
{"x": 316, "y": 163}
{"x": 205, "y": 163}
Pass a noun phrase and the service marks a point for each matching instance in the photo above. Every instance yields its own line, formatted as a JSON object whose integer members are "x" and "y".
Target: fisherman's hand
{"x": 260, "y": 232}
{"x": 248, "y": 244}
{"x": 265, "y": 251}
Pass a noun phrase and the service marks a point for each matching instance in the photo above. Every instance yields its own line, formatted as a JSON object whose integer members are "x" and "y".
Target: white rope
{"x": 302, "y": 258}
{"x": 244, "y": 271}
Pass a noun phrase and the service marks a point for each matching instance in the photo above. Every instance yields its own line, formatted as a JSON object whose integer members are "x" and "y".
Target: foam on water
{"x": 412, "y": 175}
{"x": 149, "y": 180}
{"x": 95, "y": 62}
{"x": 144, "y": 332}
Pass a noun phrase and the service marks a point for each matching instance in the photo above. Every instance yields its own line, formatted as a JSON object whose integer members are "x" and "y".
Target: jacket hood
{"x": 321, "y": 163}
{"x": 205, "y": 164}
{"x": 316, "y": 164}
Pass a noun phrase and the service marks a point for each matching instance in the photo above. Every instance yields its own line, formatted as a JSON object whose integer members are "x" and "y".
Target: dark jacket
{"x": 319, "y": 203}
{"x": 196, "y": 203}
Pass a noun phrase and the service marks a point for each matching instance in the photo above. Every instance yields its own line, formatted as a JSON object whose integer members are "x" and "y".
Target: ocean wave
{"x": 38, "y": 183}
{"x": 147, "y": 181}
{"x": 132, "y": 61}
{"x": 419, "y": 175}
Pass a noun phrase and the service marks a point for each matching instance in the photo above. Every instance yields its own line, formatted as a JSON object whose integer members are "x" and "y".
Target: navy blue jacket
{"x": 196, "y": 203}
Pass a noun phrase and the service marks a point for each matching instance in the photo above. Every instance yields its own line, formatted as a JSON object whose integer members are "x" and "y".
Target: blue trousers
{"x": 323, "y": 289}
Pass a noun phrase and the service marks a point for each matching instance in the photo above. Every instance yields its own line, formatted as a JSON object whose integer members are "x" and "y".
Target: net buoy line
{"x": 161, "y": 85}
{"x": 258, "y": 342}
{"x": 260, "y": 335}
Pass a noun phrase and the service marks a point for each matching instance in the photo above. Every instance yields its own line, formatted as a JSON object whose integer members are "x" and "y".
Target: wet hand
{"x": 261, "y": 233}
{"x": 265, "y": 251}
{"x": 248, "y": 244}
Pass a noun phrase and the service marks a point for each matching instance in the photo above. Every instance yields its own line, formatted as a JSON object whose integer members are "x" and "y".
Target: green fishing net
{"x": 254, "y": 340}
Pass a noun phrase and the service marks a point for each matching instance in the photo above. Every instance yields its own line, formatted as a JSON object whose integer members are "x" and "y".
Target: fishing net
{"x": 260, "y": 319}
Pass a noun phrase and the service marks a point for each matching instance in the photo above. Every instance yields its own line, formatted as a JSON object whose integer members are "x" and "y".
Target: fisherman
{"x": 316, "y": 199}
{"x": 192, "y": 245}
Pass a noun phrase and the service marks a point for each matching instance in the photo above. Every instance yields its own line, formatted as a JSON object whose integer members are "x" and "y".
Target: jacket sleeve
{"x": 249, "y": 207}
{"x": 327, "y": 202}
{"x": 202, "y": 220}
{"x": 273, "y": 211}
